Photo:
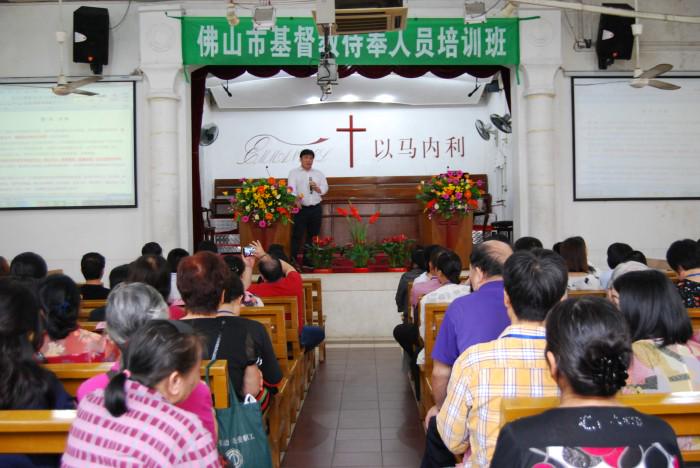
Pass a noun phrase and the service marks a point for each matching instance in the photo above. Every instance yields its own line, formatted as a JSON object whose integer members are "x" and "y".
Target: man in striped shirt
{"x": 511, "y": 366}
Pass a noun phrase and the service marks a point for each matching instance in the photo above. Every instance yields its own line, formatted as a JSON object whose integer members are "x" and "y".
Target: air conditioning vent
{"x": 367, "y": 20}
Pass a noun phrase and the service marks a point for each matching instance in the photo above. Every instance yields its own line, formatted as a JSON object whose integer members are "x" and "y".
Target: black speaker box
{"x": 615, "y": 39}
{"x": 91, "y": 37}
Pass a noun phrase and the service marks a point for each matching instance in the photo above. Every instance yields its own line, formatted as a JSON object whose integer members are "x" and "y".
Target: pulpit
{"x": 278, "y": 233}
{"x": 454, "y": 233}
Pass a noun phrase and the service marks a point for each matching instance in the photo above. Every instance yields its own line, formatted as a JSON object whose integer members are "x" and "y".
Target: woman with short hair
{"x": 588, "y": 351}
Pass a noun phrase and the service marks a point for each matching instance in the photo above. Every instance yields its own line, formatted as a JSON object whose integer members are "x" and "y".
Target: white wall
{"x": 29, "y": 49}
{"x": 649, "y": 226}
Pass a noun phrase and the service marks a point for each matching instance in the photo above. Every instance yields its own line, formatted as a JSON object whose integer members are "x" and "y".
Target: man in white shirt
{"x": 308, "y": 185}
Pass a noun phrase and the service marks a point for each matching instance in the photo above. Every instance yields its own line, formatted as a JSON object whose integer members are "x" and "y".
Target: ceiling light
{"x": 349, "y": 98}
{"x": 385, "y": 98}
{"x": 264, "y": 17}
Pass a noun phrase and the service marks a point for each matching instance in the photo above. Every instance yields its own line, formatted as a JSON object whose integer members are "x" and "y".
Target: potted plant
{"x": 397, "y": 250}
{"x": 450, "y": 194}
{"x": 320, "y": 253}
{"x": 359, "y": 251}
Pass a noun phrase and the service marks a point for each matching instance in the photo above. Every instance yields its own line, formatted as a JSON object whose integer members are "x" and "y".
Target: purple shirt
{"x": 476, "y": 318}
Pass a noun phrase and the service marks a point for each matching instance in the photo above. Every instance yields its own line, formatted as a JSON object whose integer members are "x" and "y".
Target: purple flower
{"x": 262, "y": 224}
{"x": 445, "y": 196}
{"x": 295, "y": 210}
{"x": 245, "y": 219}
{"x": 458, "y": 195}
{"x": 479, "y": 183}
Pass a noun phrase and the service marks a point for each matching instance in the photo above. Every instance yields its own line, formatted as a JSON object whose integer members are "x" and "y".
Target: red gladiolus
{"x": 373, "y": 219}
{"x": 354, "y": 211}
{"x": 342, "y": 211}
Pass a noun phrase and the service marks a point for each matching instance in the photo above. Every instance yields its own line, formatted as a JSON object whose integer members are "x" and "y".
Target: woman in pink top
{"x": 129, "y": 307}
{"x": 65, "y": 341}
{"x": 134, "y": 421}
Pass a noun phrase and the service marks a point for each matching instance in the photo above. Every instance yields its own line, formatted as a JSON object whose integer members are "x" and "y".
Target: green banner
{"x": 295, "y": 41}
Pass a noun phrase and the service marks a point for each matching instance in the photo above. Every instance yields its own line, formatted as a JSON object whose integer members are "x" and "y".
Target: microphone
{"x": 267, "y": 169}
{"x": 311, "y": 190}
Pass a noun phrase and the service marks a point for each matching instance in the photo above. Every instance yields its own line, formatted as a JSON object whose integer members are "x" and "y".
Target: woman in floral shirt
{"x": 65, "y": 341}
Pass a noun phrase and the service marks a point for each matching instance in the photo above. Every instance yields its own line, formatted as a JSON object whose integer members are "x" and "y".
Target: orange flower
{"x": 271, "y": 180}
{"x": 238, "y": 190}
{"x": 282, "y": 183}
{"x": 473, "y": 203}
{"x": 268, "y": 216}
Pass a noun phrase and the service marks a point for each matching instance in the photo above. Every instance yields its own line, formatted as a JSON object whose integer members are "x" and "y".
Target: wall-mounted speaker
{"x": 91, "y": 37}
{"x": 615, "y": 39}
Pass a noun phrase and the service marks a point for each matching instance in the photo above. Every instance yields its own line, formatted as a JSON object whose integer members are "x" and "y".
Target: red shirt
{"x": 290, "y": 285}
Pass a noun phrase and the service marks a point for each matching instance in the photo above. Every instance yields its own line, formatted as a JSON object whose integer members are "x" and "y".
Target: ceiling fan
{"x": 63, "y": 87}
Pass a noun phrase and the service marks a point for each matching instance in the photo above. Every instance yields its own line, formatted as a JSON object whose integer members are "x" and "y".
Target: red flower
{"x": 430, "y": 204}
{"x": 473, "y": 203}
{"x": 342, "y": 211}
{"x": 354, "y": 211}
{"x": 373, "y": 219}
{"x": 357, "y": 217}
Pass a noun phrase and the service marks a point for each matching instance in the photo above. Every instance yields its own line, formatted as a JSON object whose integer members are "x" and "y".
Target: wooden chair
{"x": 587, "y": 292}
{"x": 73, "y": 375}
{"x": 694, "y": 315}
{"x": 35, "y": 431}
{"x": 434, "y": 315}
{"x": 680, "y": 410}
{"x": 87, "y": 306}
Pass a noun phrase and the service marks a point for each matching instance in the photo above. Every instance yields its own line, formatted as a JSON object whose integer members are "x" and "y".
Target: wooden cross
{"x": 351, "y": 130}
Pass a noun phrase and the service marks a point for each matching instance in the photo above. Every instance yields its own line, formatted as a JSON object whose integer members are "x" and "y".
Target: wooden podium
{"x": 278, "y": 233}
{"x": 454, "y": 233}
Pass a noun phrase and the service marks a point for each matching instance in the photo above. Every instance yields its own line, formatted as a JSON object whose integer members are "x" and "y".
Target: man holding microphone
{"x": 308, "y": 185}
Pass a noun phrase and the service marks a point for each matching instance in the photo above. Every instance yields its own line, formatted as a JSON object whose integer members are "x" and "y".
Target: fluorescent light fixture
{"x": 264, "y": 17}
{"x": 385, "y": 98}
{"x": 349, "y": 98}
{"x": 474, "y": 12}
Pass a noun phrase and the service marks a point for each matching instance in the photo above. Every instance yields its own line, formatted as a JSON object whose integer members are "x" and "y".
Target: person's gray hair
{"x": 129, "y": 306}
{"x": 623, "y": 268}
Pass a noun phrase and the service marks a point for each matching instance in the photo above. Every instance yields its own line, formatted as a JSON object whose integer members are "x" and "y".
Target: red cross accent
{"x": 351, "y": 130}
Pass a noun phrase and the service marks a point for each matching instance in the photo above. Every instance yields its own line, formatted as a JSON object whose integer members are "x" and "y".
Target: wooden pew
{"x": 35, "y": 431}
{"x": 309, "y": 358}
{"x": 73, "y": 375}
{"x": 87, "y": 306}
{"x": 694, "y": 315}
{"x": 680, "y": 410}
{"x": 434, "y": 315}
{"x": 587, "y": 292}
{"x": 317, "y": 310}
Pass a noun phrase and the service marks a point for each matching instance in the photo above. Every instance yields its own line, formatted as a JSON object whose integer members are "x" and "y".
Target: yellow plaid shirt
{"x": 511, "y": 366}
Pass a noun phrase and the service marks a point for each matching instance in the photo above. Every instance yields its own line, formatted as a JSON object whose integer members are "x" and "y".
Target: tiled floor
{"x": 359, "y": 412}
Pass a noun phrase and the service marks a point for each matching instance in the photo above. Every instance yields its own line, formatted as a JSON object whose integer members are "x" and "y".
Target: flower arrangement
{"x": 397, "y": 250}
{"x": 358, "y": 251}
{"x": 264, "y": 202}
{"x": 449, "y": 194}
{"x": 320, "y": 251}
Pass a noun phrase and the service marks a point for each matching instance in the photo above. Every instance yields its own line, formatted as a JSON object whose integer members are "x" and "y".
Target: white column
{"x": 161, "y": 62}
{"x": 540, "y": 42}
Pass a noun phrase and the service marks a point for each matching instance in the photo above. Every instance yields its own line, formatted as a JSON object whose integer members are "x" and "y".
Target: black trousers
{"x": 436, "y": 454}
{"x": 306, "y": 223}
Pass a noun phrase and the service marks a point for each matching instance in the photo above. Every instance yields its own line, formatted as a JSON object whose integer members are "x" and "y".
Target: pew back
{"x": 587, "y": 292}
{"x": 35, "y": 431}
{"x": 87, "y": 306}
{"x": 274, "y": 316}
{"x": 694, "y": 315}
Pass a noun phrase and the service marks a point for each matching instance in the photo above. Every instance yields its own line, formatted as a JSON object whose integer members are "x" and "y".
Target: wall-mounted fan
{"x": 502, "y": 123}
{"x": 208, "y": 134}
{"x": 642, "y": 78}
{"x": 484, "y": 130}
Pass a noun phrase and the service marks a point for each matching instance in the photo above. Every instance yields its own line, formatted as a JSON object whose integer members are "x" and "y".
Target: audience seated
{"x": 281, "y": 279}
{"x": 527, "y": 243}
{"x": 511, "y": 366}
{"x": 134, "y": 420}
{"x": 484, "y": 307}
{"x": 581, "y": 274}
{"x": 116, "y": 276}
{"x": 129, "y": 307}
{"x": 65, "y": 341}
{"x": 431, "y": 284}
{"x": 4, "y": 267}
{"x": 684, "y": 258}
{"x": 417, "y": 268}
{"x": 92, "y": 266}
{"x": 665, "y": 359}
{"x": 620, "y": 270}
{"x": 154, "y": 270}
{"x": 588, "y": 351}
{"x": 243, "y": 343}
{"x": 617, "y": 253}
{"x": 237, "y": 267}
{"x": 277, "y": 251}
{"x": 24, "y": 384}
{"x": 174, "y": 257}
{"x": 427, "y": 253}
{"x": 28, "y": 265}
{"x": 152, "y": 248}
